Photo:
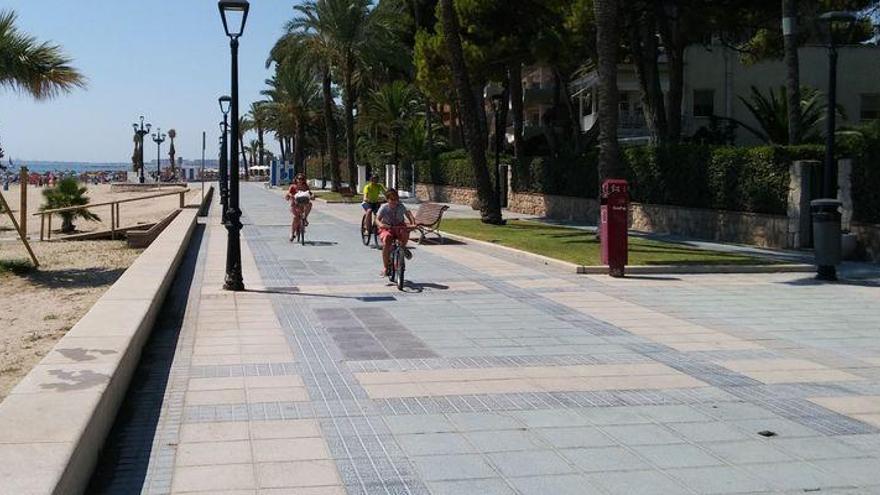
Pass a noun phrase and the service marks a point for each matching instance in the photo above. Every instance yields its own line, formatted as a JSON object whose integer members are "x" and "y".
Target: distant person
{"x": 392, "y": 218}
{"x": 372, "y": 201}
{"x": 300, "y": 197}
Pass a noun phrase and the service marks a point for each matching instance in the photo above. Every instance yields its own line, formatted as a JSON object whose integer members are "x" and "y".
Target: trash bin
{"x": 826, "y": 237}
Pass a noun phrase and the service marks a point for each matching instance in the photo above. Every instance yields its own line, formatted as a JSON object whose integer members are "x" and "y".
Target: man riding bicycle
{"x": 300, "y": 197}
{"x": 392, "y": 219}
{"x": 372, "y": 192}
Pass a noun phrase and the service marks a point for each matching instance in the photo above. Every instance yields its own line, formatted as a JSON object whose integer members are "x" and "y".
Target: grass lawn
{"x": 333, "y": 197}
{"x": 18, "y": 267}
{"x": 581, "y": 247}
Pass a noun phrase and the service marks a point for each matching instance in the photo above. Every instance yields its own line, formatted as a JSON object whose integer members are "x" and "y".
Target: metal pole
{"x": 141, "y": 134}
{"x": 202, "y": 173}
{"x": 497, "y": 158}
{"x": 234, "y": 280}
{"x": 158, "y": 162}
{"x": 224, "y": 172}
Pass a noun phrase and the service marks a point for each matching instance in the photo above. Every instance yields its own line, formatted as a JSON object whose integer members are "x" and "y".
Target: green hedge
{"x": 753, "y": 179}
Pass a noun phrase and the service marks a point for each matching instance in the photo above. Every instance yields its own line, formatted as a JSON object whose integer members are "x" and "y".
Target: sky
{"x": 167, "y": 60}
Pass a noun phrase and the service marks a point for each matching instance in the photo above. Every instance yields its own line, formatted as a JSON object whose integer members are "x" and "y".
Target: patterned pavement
{"x": 492, "y": 374}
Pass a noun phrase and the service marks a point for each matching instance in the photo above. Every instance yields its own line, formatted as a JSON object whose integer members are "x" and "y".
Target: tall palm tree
{"x": 390, "y": 107}
{"x": 258, "y": 116}
{"x": 351, "y": 34}
{"x": 313, "y": 48}
{"x": 293, "y": 94}
{"x": 607, "y": 45}
{"x": 475, "y": 140}
{"x": 244, "y": 125}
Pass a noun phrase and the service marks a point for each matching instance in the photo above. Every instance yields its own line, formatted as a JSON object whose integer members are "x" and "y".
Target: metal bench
{"x": 428, "y": 218}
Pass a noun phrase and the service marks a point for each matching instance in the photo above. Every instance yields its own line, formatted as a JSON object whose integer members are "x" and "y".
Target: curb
{"x": 698, "y": 269}
{"x": 642, "y": 269}
{"x": 53, "y": 424}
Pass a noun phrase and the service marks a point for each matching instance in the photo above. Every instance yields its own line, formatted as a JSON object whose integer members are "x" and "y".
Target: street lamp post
{"x": 826, "y": 213}
{"x": 158, "y": 138}
{"x": 234, "y": 14}
{"x": 396, "y": 132}
{"x": 141, "y": 131}
{"x": 225, "y": 103}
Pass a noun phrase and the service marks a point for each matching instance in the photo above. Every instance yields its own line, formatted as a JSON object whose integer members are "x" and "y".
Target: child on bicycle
{"x": 392, "y": 219}
{"x": 300, "y": 197}
{"x": 372, "y": 201}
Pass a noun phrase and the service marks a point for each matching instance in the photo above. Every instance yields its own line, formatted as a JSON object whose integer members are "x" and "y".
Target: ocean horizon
{"x": 43, "y": 167}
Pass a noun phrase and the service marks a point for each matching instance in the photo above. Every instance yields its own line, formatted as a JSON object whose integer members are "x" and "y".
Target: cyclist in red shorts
{"x": 392, "y": 219}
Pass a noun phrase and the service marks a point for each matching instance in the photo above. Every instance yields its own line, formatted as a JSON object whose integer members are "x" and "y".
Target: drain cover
{"x": 767, "y": 433}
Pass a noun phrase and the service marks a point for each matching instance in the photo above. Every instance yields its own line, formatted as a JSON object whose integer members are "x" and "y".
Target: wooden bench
{"x": 428, "y": 218}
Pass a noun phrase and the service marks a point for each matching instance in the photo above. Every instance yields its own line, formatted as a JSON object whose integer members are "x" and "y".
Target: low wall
{"x": 55, "y": 421}
{"x": 717, "y": 225}
{"x": 869, "y": 239}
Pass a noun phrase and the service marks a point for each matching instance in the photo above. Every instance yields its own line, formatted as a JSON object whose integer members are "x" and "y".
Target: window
{"x": 870, "y": 109}
{"x": 704, "y": 102}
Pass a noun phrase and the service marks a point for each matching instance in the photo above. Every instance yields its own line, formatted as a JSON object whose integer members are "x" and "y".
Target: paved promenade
{"x": 492, "y": 374}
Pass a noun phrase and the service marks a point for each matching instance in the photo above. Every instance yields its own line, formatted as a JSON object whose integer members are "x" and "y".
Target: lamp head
{"x": 149, "y": 126}
{"x": 225, "y": 104}
{"x": 234, "y": 14}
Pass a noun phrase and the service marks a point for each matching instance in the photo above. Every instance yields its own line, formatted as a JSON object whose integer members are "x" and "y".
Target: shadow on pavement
{"x": 122, "y": 467}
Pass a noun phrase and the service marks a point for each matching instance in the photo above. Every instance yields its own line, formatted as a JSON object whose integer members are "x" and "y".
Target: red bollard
{"x": 614, "y": 220}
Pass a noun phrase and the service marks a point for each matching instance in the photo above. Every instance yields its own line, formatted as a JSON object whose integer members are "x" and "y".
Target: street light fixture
{"x": 234, "y": 14}
{"x": 158, "y": 138}
{"x": 826, "y": 213}
{"x": 140, "y": 131}
{"x": 225, "y": 103}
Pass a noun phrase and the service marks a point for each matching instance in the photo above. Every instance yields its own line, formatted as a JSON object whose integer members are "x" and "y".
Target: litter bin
{"x": 826, "y": 237}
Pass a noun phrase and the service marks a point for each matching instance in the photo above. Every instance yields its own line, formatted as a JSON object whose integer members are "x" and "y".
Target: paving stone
{"x": 605, "y": 459}
{"x": 642, "y": 434}
{"x": 482, "y": 487}
{"x": 582, "y": 436}
{"x": 529, "y": 463}
{"x": 452, "y": 467}
{"x": 677, "y": 456}
{"x": 638, "y": 483}
{"x": 719, "y": 479}
{"x": 504, "y": 440}
{"x": 571, "y": 484}
{"x": 434, "y": 443}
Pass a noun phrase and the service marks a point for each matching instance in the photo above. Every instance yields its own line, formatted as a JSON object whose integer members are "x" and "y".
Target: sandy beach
{"x": 38, "y": 307}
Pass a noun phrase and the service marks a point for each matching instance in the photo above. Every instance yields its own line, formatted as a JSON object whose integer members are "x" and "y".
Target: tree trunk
{"x": 516, "y": 106}
{"x": 262, "y": 152}
{"x": 244, "y": 156}
{"x": 429, "y": 126}
{"x": 792, "y": 65}
{"x": 675, "y": 42}
{"x": 643, "y": 43}
{"x": 283, "y": 150}
{"x": 350, "y": 138}
{"x": 299, "y": 163}
{"x": 606, "y": 47}
{"x": 330, "y": 131}
{"x": 490, "y": 209}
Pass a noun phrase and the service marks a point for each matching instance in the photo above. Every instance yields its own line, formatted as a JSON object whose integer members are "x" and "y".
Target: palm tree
{"x": 771, "y": 113}
{"x": 312, "y": 47}
{"x": 475, "y": 139}
{"x": 244, "y": 125}
{"x": 350, "y": 34}
{"x": 389, "y": 110}
{"x": 607, "y": 45}
{"x": 294, "y": 93}
{"x": 257, "y": 115}
{"x": 171, "y": 151}
{"x": 66, "y": 194}
{"x": 39, "y": 69}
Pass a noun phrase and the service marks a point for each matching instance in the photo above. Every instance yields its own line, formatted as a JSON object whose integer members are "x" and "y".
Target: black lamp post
{"x": 826, "y": 213}
{"x": 225, "y": 102}
{"x": 395, "y": 131}
{"x": 141, "y": 131}
{"x": 158, "y": 138}
{"x": 234, "y": 14}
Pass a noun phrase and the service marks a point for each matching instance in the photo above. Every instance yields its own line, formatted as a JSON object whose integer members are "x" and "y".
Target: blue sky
{"x": 165, "y": 59}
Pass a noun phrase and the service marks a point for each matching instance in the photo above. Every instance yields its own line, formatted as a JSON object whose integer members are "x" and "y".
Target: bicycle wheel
{"x": 401, "y": 268}
{"x": 366, "y": 231}
{"x": 392, "y": 267}
{"x": 301, "y": 236}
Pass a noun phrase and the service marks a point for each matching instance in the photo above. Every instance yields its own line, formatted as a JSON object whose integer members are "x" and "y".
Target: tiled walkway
{"x": 492, "y": 374}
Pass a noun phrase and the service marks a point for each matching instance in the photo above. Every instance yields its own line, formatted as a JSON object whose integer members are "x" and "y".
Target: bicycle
{"x": 368, "y": 231}
{"x": 397, "y": 269}
{"x": 301, "y": 233}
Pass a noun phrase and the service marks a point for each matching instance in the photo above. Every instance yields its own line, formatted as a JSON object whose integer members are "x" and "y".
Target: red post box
{"x": 614, "y": 220}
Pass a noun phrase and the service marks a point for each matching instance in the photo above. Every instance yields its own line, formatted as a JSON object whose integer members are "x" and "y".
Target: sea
{"x": 43, "y": 167}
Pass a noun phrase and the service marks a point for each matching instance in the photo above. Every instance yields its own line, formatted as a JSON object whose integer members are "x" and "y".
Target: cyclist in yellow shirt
{"x": 371, "y": 203}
